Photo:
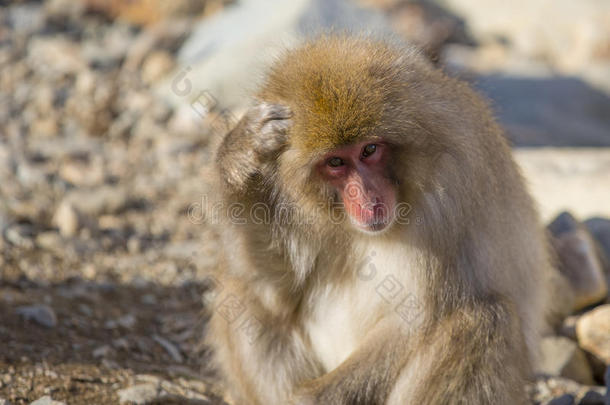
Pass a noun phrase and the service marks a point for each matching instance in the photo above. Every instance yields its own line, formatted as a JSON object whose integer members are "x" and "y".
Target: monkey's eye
{"x": 335, "y": 162}
{"x": 369, "y": 150}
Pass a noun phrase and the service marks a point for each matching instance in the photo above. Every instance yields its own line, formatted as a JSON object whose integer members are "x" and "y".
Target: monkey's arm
{"x": 472, "y": 356}
{"x": 254, "y": 141}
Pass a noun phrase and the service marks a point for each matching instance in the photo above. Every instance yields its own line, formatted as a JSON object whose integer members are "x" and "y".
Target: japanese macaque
{"x": 380, "y": 246}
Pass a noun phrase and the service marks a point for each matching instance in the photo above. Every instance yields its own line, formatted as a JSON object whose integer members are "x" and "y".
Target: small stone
{"x": 134, "y": 245}
{"x": 47, "y": 400}
{"x": 127, "y": 321}
{"x": 99, "y": 200}
{"x": 102, "y": 351}
{"x": 593, "y": 332}
{"x": 607, "y": 381}
{"x": 156, "y": 66}
{"x": 170, "y": 348}
{"x": 121, "y": 344}
{"x": 20, "y": 235}
{"x": 66, "y": 218}
{"x": 139, "y": 394}
{"x": 64, "y": 9}
{"x": 578, "y": 260}
{"x": 600, "y": 229}
{"x": 41, "y": 314}
{"x": 563, "y": 357}
{"x": 55, "y": 54}
{"x": 46, "y": 126}
{"x": 568, "y": 327}
{"x": 49, "y": 241}
{"x": 107, "y": 222}
{"x": 592, "y": 398}
{"x": 566, "y": 399}
{"x": 148, "y": 299}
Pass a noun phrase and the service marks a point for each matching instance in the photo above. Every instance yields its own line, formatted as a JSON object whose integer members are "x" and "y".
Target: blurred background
{"x": 109, "y": 109}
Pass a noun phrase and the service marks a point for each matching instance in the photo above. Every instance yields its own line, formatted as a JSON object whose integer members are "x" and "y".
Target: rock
{"x": 593, "y": 332}
{"x": 82, "y": 175}
{"x": 592, "y": 398}
{"x": 549, "y": 111}
{"x": 127, "y": 321}
{"x": 47, "y": 126}
{"x": 26, "y": 19}
{"x": 563, "y": 357}
{"x": 102, "y": 351}
{"x": 607, "y": 381}
{"x": 566, "y": 399}
{"x": 64, "y": 9}
{"x": 155, "y": 66}
{"x": 226, "y": 53}
{"x": 164, "y": 35}
{"x": 149, "y": 11}
{"x": 20, "y": 235}
{"x": 425, "y": 24}
{"x": 99, "y": 200}
{"x": 66, "y": 218}
{"x": 548, "y": 388}
{"x": 571, "y": 179}
{"x": 578, "y": 260}
{"x": 170, "y": 348}
{"x": 41, "y": 314}
{"x": 139, "y": 394}
{"x": 568, "y": 327}
{"x": 50, "y": 241}
{"x": 55, "y": 56}
{"x": 572, "y": 37}
{"x": 47, "y": 400}
{"x": 110, "y": 49}
{"x": 600, "y": 229}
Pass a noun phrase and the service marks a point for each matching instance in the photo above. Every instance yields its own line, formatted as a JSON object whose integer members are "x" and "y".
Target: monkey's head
{"x": 352, "y": 119}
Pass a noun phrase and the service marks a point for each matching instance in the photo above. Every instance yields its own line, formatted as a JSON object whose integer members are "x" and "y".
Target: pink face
{"x": 359, "y": 173}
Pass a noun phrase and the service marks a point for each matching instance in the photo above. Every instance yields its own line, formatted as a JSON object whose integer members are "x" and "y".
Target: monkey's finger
{"x": 270, "y": 112}
{"x": 274, "y": 136}
{"x": 278, "y": 126}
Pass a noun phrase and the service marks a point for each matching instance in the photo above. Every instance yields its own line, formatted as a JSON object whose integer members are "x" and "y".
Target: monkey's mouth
{"x": 373, "y": 219}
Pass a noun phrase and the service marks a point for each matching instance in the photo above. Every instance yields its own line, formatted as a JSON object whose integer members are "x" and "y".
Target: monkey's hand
{"x": 254, "y": 142}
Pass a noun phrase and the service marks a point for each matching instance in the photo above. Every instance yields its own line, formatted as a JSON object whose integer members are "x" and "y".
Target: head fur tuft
{"x": 337, "y": 87}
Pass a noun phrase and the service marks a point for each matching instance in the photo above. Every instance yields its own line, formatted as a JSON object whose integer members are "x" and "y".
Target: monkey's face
{"x": 359, "y": 175}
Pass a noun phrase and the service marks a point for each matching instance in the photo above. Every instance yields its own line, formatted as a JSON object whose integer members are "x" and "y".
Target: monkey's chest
{"x": 384, "y": 287}
{"x": 337, "y": 326}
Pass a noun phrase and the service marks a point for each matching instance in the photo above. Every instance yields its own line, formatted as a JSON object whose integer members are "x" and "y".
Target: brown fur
{"x": 473, "y": 255}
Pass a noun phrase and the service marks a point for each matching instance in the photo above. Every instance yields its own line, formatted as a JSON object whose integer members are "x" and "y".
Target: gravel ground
{"x": 101, "y": 263}
{"x": 104, "y": 246}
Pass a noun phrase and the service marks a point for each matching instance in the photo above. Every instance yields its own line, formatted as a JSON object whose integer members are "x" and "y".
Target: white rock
{"x": 562, "y": 179}
{"x": 593, "y": 332}
{"x": 55, "y": 55}
{"x": 155, "y": 66}
{"x": 66, "y": 219}
{"x": 578, "y": 260}
{"x": 225, "y": 54}
{"x": 570, "y": 37}
{"x": 563, "y": 357}
{"x": 139, "y": 394}
{"x": 46, "y": 400}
